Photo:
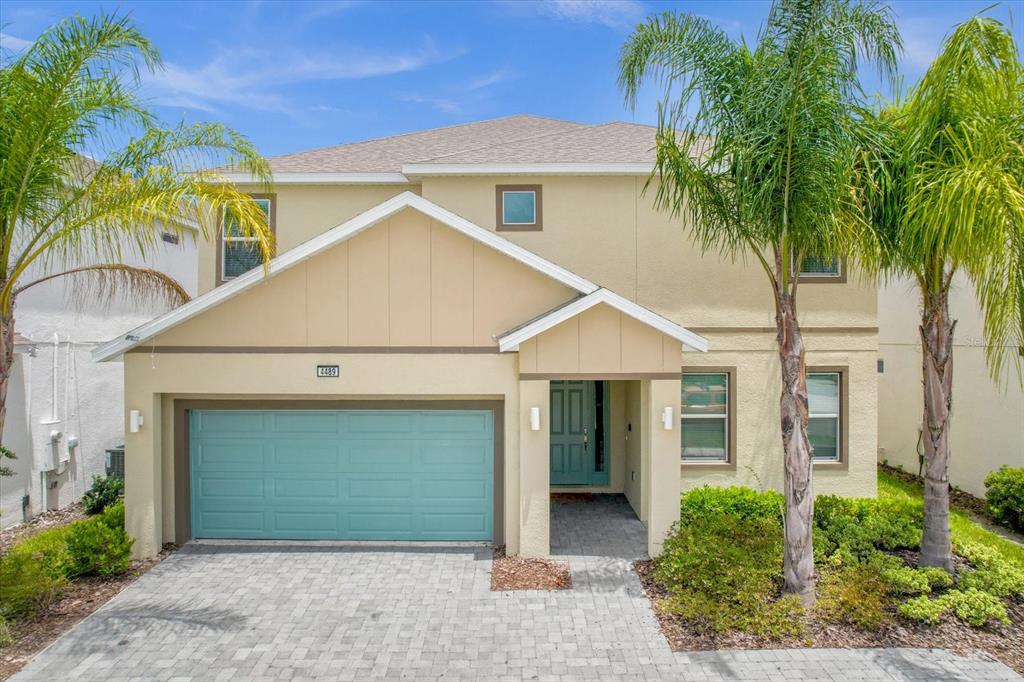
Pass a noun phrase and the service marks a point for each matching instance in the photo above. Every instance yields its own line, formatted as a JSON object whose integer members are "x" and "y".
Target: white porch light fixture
{"x": 666, "y": 418}
{"x": 535, "y": 419}
{"x": 134, "y": 421}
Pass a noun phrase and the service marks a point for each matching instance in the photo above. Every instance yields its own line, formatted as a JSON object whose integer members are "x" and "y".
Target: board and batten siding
{"x": 406, "y": 282}
{"x": 600, "y": 341}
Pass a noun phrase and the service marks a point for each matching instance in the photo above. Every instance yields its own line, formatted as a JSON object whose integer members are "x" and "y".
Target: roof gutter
{"x": 414, "y": 170}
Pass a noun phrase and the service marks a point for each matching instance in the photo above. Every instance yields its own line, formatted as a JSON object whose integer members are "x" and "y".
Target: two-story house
{"x": 460, "y": 321}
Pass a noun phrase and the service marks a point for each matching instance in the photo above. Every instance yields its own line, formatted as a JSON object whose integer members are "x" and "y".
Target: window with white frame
{"x": 704, "y": 417}
{"x": 821, "y": 266}
{"x": 239, "y": 253}
{"x": 824, "y": 394}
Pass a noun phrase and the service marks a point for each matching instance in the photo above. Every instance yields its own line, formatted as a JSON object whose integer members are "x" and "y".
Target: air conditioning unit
{"x": 115, "y": 462}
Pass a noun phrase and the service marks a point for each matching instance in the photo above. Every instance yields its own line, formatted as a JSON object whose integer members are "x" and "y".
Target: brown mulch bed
{"x": 77, "y": 599}
{"x": 1005, "y": 643}
{"x": 49, "y": 519}
{"x": 515, "y": 573}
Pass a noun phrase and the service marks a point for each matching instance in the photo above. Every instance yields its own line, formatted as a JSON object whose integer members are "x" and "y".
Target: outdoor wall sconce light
{"x": 535, "y": 419}
{"x": 134, "y": 421}
{"x": 666, "y": 418}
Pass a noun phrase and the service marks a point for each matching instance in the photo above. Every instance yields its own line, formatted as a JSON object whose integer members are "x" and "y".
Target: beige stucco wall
{"x": 606, "y": 229}
{"x": 303, "y": 212}
{"x": 987, "y": 429}
{"x": 600, "y": 341}
{"x": 154, "y": 381}
{"x": 407, "y": 281}
{"x": 758, "y": 433}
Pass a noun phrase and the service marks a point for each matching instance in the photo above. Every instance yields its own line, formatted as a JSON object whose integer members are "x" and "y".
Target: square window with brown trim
{"x": 518, "y": 208}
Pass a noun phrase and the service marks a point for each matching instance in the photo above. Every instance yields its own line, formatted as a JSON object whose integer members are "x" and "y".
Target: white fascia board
{"x": 321, "y": 178}
{"x": 510, "y": 342}
{"x": 336, "y": 235}
{"x": 420, "y": 169}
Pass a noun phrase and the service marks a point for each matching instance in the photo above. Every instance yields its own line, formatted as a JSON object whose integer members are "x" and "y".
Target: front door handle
{"x": 586, "y": 438}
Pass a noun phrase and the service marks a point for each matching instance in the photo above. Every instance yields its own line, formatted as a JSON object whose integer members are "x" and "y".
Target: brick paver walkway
{"x": 303, "y": 611}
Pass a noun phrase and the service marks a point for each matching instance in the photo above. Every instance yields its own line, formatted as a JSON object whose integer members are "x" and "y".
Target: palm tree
{"x": 62, "y": 214}
{"x": 761, "y": 167}
{"x": 944, "y": 188}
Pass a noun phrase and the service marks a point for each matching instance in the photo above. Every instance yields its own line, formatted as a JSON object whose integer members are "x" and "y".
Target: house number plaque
{"x": 328, "y": 371}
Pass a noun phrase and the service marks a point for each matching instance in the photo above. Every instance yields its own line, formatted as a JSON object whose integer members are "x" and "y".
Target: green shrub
{"x": 49, "y": 549}
{"x": 976, "y": 607}
{"x": 98, "y": 549}
{"x": 25, "y": 584}
{"x": 924, "y": 609}
{"x": 972, "y": 606}
{"x": 857, "y": 595}
{"x": 5, "y": 633}
{"x": 104, "y": 492}
{"x": 857, "y": 527}
{"x": 113, "y": 516}
{"x": 1004, "y": 494}
{"x": 745, "y": 503}
{"x": 723, "y": 572}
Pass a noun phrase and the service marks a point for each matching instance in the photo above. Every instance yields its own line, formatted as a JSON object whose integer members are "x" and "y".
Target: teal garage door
{"x": 342, "y": 474}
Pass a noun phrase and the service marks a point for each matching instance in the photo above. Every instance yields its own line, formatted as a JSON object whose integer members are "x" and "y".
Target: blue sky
{"x": 297, "y": 75}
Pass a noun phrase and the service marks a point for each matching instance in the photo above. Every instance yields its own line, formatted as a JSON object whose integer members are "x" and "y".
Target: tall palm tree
{"x": 74, "y": 91}
{"x": 760, "y": 167}
{"x": 944, "y": 187}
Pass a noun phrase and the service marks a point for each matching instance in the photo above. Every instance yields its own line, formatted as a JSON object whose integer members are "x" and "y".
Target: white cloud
{"x": 611, "y": 13}
{"x": 252, "y": 78}
{"x": 448, "y": 106}
{"x": 487, "y": 80}
{"x": 14, "y": 43}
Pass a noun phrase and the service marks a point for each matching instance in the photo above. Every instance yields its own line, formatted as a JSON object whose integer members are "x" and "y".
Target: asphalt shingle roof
{"x": 513, "y": 139}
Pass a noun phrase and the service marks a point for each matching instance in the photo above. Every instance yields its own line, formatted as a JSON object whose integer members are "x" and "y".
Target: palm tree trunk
{"x": 937, "y": 365}
{"x": 798, "y": 559}
{"x": 6, "y": 363}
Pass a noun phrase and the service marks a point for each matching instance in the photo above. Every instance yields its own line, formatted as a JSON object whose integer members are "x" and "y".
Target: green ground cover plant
{"x": 721, "y": 567}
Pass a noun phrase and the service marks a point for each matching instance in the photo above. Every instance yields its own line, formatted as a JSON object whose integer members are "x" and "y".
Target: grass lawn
{"x": 963, "y": 527}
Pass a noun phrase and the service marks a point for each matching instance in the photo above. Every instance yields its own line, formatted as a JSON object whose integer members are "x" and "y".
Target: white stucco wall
{"x": 89, "y": 395}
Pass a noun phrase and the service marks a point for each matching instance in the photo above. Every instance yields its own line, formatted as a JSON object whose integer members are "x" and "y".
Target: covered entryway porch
{"x": 599, "y": 396}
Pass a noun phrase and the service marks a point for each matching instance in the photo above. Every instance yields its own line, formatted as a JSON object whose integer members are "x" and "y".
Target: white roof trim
{"x": 322, "y": 178}
{"x": 336, "y": 235}
{"x": 511, "y": 340}
{"x": 418, "y": 169}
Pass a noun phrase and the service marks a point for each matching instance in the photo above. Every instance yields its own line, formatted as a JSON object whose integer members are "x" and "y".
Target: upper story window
{"x": 239, "y": 254}
{"x": 519, "y": 208}
{"x": 822, "y": 269}
{"x": 706, "y": 416}
{"x": 825, "y": 429}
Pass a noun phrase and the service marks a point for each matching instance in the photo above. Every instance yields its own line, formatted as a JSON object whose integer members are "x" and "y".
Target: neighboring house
{"x": 460, "y": 321}
{"x": 58, "y": 395}
{"x": 987, "y": 429}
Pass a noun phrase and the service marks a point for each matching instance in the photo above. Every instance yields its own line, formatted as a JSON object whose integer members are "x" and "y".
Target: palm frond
{"x": 116, "y": 281}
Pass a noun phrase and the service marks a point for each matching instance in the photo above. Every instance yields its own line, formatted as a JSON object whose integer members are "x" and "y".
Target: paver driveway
{"x": 249, "y": 611}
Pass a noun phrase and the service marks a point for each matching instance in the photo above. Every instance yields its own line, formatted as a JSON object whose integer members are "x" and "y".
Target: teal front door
{"x": 573, "y": 412}
{"x": 342, "y": 474}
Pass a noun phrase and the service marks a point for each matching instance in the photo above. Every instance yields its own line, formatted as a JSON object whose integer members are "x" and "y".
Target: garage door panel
{"x": 225, "y": 456}
{"x": 287, "y": 489}
{"x": 382, "y": 489}
{"x": 305, "y": 423}
{"x": 343, "y": 474}
{"x": 229, "y": 423}
{"x": 312, "y": 459}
